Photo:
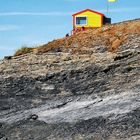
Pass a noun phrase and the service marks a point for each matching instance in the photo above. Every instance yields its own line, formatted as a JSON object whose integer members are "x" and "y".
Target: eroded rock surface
{"x": 64, "y": 96}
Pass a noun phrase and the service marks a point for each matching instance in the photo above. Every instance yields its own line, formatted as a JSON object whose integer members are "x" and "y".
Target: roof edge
{"x": 88, "y": 10}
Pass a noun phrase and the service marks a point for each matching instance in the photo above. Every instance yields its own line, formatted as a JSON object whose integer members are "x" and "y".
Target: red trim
{"x": 73, "y": 22}
{"x": 86, "y": 11}
{"x": 80, "y": 29}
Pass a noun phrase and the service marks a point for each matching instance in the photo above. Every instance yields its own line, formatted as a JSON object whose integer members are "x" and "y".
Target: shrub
{"x": 23, "y": 50}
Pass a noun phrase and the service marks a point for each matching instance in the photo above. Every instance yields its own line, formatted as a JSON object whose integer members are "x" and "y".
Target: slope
{"x": 87, "y": 90}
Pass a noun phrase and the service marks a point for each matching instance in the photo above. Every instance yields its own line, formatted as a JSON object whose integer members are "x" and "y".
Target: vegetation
{"x": 110, "y": 36}
{"x": 23, "y": 50}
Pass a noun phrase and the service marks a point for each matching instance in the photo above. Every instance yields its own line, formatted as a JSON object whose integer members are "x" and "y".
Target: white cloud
{"x": 118, "y": 10}
{"x": 8, "y": 27}
{"x": 63, "y": 13}
{"x": 36, "y": 14}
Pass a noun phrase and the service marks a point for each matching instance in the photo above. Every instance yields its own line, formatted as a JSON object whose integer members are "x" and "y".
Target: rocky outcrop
{"x": 68, "y": 96}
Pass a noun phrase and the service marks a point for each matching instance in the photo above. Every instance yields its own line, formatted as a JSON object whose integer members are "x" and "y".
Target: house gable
{"x": 87, "y": 10}
{"x": 94, "y": 19}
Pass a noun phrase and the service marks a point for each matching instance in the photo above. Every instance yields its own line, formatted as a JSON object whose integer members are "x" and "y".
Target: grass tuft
{"x": 23, "y": 50}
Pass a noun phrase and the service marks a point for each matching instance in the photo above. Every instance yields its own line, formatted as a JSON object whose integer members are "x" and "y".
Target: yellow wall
{"x": 93, "y": 19}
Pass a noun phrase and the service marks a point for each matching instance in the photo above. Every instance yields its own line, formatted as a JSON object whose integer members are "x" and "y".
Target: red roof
{"x": 86, "y": 11}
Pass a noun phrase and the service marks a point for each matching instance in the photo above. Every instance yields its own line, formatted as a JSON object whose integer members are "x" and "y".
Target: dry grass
{"x": 23, "y": 50}
{"x": 111, "y": 36}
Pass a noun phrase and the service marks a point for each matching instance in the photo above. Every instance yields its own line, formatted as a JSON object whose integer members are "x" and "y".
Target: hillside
{"x": 83, "y": 87}
{"x": 109, "y": 37}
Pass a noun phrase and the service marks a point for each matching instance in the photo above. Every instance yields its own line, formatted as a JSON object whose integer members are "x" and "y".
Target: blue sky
{"x": 34, "y": 22}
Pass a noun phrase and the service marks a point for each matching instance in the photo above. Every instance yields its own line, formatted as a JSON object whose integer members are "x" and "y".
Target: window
{"x": 81, "y": 20}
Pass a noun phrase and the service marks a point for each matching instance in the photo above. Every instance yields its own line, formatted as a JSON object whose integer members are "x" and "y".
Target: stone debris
{"x": 87, "y": 91}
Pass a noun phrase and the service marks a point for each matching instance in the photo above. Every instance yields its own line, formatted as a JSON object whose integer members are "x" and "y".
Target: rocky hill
{"x": 83, "y": 87}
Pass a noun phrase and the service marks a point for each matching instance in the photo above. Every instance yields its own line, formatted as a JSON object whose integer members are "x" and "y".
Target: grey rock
{"x": 4, "y": 138}
{"x": 87, "y": 97}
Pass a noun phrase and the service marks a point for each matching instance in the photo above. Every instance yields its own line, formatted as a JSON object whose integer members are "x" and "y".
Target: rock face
{"x": 93, "y": 95}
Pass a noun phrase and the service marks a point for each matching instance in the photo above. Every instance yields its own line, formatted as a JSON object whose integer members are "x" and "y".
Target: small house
{"x": 87, "y": 19}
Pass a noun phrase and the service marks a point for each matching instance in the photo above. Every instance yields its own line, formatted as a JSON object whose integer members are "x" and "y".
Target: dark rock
{"x": 2, "y": 137}
{"x": 123, "y": 55}
{"x": 8, "y": 57}
{"x": 34, "y": 117}
{"x": 91, "y": 96}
